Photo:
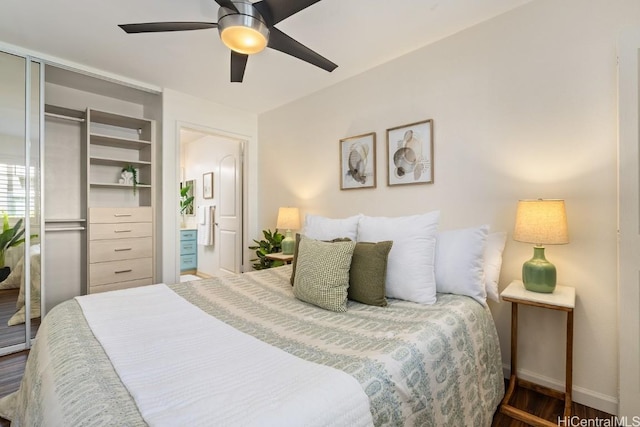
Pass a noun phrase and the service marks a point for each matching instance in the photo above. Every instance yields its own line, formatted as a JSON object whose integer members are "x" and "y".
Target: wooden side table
{"x": 563, "y": 298}
{"x": 279, "y": 256}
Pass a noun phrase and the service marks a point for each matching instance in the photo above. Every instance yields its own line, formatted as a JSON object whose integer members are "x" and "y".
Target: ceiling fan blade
{"x": 238, "y": 65}
{"x": 228, "y": 4}
{"x": 282, "y": 42}
{"x": 158, "y": 27}
{"x": 275, "y": 11}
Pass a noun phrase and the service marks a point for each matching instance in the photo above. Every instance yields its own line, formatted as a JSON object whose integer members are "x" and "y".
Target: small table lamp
{"x": 541, "y": 222}
{"x": 288, "y": 219}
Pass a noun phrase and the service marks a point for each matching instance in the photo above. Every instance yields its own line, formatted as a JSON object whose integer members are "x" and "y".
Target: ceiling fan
{"x": 247, "y": 28}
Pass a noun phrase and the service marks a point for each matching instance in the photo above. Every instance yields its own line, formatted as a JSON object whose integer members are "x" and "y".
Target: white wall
{"x": 524, "y": 106}
{"x": 181, "y": 109}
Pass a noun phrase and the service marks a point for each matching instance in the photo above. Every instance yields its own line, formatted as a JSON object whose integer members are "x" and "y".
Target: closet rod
{"x": 60, "y": 116}
{"x": 59, "y": 220}
{"x": 64, "y": 229}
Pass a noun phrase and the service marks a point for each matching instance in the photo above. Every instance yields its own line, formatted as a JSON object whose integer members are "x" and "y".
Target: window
{"x": 13, "y": 190}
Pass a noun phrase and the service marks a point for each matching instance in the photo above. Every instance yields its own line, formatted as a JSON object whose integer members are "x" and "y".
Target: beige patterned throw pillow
{"x": 322, "y": 273}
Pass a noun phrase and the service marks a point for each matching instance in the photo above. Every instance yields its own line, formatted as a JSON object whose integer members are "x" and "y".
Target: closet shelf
{"x": 116, "y": 185}
{"x": 63, "y": 220}
{"x": 118, "y": 120}
{"x": 118, "y": 142}
{"x": 105, "y": 161}
{"x": 56, "y": 112}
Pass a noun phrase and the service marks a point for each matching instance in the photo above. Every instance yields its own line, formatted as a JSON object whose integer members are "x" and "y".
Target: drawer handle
{"x": 123, "y": 271}
{"x": 122, "y": 231}
{"x": 122, "y": 249}
{"x": 121, "y": 215}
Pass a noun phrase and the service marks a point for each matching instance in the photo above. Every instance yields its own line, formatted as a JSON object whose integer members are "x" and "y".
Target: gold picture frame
{"x": 358, "y": 162}
{"x": 410, "y": 154}
{"x": 207, "y": 185}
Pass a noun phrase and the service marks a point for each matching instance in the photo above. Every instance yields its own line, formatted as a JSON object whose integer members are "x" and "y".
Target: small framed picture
{"x": 207, "y": 185}
{"x": 358, "y": 162}
{"x": 410, "y": 154}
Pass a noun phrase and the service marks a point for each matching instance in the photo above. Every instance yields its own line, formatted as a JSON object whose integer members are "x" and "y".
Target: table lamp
{"x": 288, "y": 219}
{"x": 541, "y": 222}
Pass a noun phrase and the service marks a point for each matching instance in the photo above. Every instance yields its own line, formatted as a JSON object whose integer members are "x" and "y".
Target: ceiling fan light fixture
{"x": 246, "y": 28}
{"x": 243, "y": 31}
{"x": 246, "y": 40}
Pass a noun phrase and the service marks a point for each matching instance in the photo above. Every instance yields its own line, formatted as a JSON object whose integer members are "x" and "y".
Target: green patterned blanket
{"x": 420, "y": 365}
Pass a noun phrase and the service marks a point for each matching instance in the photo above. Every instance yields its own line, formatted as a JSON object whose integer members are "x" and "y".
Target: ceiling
{"x": 355, "y": 34}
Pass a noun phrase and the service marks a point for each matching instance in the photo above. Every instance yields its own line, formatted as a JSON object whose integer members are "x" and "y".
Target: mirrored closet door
{"x": 21, "y": 112}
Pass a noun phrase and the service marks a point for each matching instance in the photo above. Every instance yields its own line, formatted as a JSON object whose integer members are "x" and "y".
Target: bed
{"x": 419, "y": 365}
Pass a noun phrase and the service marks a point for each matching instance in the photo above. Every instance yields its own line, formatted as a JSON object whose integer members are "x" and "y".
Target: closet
{"x": 121, "y": 199}
{"x": 73, "y": 134}
{"x": 21, "y": 130}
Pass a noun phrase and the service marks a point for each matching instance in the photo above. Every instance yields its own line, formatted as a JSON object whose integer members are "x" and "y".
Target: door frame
{"x": 629, "y": 224}
{"x": 243, "y": 140}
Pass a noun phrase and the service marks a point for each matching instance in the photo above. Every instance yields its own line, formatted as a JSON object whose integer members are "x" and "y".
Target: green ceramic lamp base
{"x": 288, "y": 244}
{"x": 538, "y": 274}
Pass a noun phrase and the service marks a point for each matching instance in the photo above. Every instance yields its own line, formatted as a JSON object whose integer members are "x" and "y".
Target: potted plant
{"x": 272, "y": 243}
{"x": 10, "y": 237}
{"x": 134, "y": 173}
{"x": 186, "y": 201}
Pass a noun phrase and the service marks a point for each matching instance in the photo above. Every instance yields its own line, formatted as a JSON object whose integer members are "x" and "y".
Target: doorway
{"x": 629, "y": 223}
{"x": 211, "y": 229}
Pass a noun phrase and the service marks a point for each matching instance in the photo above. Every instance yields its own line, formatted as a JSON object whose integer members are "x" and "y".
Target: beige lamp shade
{"x": 288, "y": 219}
{"x": 542, "y": 222}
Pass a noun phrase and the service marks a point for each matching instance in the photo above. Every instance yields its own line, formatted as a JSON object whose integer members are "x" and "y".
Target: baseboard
{"x": 590, "y": 398}
{"x": 203, "y": 275}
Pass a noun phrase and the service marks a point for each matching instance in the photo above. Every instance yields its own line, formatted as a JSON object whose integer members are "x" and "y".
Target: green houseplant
{"x": 10, "y": 237}
{"x": 271, "y": 243}
{"x": 134, "y": 172}
{"x": 186, "y": 201}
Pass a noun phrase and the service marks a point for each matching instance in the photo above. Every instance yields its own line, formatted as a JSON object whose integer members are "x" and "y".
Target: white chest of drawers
{"x": 120, "y": 248}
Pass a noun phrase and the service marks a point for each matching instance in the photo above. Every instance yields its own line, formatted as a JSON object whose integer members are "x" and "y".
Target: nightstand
{"x": 279, "y": 256}
{"x": 563, "y": 298}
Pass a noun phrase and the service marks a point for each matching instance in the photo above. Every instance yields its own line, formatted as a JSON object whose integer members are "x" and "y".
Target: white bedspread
{"x": 182, "y": 367}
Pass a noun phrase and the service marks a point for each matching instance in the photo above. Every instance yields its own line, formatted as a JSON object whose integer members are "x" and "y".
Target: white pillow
{"x": 410, "y": 274}
{"x": 321, "y": 228}
{"x": 460, "y": 262}
{"x": 493, "y": 263}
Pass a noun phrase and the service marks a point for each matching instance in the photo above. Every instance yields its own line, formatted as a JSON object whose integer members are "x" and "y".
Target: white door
{"x": 629, "y": 224}
{"x": 229, "y": 210}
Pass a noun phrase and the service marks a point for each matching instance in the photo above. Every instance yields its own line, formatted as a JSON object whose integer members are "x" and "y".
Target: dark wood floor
{"x": 12, "y": 368}
{"x": 544, "y": 407}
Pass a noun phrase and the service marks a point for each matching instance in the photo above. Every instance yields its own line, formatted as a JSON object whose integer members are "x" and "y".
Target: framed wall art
{"x": 410, "y": 154}
{"x": 207, "y": 185}
{"x": 358, "y": 162}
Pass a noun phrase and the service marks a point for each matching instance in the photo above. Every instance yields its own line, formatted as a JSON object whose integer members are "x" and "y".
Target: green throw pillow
{"x": 295, "y": 253}
{"x": 322, "y": 276}
{"x": 368, "y": 273}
